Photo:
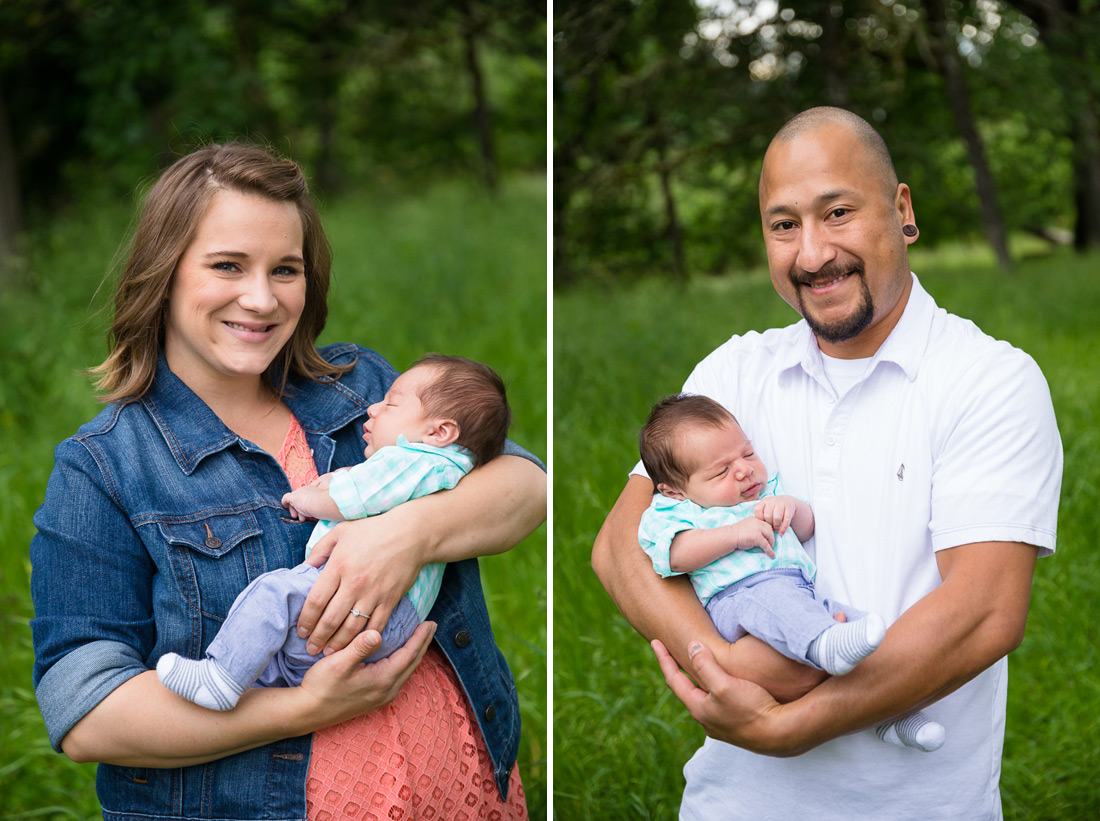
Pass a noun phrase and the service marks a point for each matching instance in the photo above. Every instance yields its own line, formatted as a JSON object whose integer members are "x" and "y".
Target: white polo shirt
{"x": 947, "y": 438}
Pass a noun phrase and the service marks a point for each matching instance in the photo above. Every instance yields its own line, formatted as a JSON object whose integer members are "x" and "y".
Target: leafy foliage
{"x": 356, "y": 91}
{"x": 662, "y": 112}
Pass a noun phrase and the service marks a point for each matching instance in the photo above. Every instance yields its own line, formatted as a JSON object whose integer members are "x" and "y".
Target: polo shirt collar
{"x": 905, "y": 346}
{"x": 192, "y": 431}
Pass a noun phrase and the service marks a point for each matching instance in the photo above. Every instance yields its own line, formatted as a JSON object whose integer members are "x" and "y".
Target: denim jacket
{"x": 156, "y": 516}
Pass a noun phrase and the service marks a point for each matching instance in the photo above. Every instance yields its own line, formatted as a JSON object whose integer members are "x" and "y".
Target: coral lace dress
{"x": 421, "y": 756}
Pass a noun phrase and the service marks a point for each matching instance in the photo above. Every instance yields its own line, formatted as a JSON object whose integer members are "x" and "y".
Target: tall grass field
{"x": 448, "y": 270}
{"x": 620, "y": 737}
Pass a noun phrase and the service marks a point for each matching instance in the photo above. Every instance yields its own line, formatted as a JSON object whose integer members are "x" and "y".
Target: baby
{"x": 717, "y": 517}
{"x": 438, "y": 419}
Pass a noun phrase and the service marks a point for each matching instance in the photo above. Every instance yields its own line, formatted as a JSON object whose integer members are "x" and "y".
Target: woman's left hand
{"x": 369, "y": 565}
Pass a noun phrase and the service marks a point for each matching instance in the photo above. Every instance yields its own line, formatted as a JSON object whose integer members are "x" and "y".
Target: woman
{"x": 162, "y": 508}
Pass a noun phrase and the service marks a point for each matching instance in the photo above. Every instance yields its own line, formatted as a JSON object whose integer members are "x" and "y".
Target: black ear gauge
{"x": 909, "y": 230}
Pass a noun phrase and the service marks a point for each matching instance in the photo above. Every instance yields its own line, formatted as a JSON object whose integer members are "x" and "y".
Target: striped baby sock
{"x": 917, "y": 731}
{"x": 841, "y": 647}
{"x": 202, "y": 681}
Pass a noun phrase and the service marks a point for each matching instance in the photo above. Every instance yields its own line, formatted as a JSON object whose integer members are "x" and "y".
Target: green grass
{"x": 447, "y": 270}
{"x": 620, "y": 738}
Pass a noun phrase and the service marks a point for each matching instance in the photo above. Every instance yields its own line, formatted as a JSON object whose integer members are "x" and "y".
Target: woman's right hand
{"x": 343, "y": 687}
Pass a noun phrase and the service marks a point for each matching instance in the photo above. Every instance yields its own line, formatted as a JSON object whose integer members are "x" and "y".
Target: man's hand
{"x": 730, "y": 709}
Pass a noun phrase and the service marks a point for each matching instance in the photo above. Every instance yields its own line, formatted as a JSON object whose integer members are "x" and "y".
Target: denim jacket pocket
{"x": 213, "y": 556}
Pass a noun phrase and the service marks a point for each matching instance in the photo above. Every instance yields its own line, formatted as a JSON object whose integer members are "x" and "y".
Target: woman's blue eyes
{"x": 233, "y": 267}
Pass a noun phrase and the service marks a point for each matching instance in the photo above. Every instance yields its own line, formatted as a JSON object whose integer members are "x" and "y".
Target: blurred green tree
{"x": 98, "y": 92}
{"x": 1071, "y": 31}
{"x": 662, "y": 112}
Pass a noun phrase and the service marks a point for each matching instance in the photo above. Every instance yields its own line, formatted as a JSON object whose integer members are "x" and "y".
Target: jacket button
{"x": 462, "y": 638}
{"x": 213, "y": 542}
{"x": 490, "y": 713}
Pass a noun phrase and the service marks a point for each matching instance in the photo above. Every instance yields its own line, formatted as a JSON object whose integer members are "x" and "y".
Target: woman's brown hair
{"x": 168, "y": 222}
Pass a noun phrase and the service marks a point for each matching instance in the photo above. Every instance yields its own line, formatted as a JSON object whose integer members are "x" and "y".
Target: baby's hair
{"x": 472, "y": 394}
{"x": 668, "y": 419}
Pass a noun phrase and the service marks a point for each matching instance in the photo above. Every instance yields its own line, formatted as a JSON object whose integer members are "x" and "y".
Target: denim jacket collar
{"x": 192, "y": 431}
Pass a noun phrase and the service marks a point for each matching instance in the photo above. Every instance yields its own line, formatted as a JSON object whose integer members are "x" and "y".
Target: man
{"x": 930, "y": 456}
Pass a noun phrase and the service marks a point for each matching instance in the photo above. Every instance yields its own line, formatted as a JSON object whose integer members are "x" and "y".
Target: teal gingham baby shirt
{"x": 666, "y": 517}
{"x": 392, "y": 475}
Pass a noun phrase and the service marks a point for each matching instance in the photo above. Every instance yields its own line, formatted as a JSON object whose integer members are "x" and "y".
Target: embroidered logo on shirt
{"x": 901, "y": 473}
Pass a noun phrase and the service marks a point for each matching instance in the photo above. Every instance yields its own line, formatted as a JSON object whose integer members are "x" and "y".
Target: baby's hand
{"x": 776, "y": 511}
{"x": 293, "y": 511}
{"x": 309, "y": 502}
{"x": 755, "y": 533}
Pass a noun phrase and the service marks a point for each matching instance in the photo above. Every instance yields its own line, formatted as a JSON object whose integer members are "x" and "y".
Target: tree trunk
{"x": 1069, "y": 35}
{"x": 1086, "y": 176}
{"x": 833, "y": 53}
{"x": 674, "y": 232}
{"x": 947, "y": 60}
{"x": 482, "y": 118}
{"x": 249, "y": 22}
{"x": 11, "y": 210}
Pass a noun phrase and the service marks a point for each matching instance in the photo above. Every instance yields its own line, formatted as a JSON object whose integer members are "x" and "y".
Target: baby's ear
{"x": 668, "y": 490}
{"x": 442, "y": 432}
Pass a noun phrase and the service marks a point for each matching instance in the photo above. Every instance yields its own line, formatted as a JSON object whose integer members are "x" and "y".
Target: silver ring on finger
{"x": 355, "y": 612}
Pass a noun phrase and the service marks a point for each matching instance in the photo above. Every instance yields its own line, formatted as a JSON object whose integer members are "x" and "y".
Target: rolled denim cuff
{"x": 512, "y": 449}
{"x": 80, "y": 680}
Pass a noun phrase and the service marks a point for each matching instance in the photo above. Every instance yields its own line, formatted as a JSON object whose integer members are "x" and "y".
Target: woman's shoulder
{"x": 114, "y": 419}
{"x": 103, "y": 445}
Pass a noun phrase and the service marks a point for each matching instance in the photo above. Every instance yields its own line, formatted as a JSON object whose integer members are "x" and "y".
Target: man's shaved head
{"x": 877, "y": 153}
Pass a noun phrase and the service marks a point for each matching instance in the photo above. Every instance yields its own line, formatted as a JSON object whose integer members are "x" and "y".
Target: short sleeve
{"x": 656, "y": 531}
{"x": 997, "y": 469}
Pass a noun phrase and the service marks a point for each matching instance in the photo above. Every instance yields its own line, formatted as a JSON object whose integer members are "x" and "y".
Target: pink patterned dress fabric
{"x": 419, "y": 757}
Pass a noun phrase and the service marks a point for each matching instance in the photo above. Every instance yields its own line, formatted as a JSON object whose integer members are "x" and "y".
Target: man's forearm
{"x": 667, "y": 609}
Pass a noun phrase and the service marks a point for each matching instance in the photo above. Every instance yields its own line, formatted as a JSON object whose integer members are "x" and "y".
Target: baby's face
{"x": 399, "y": 413}
{"x": 727, "y": 470}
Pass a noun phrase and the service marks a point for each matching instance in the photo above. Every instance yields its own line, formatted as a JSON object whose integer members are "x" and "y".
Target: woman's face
{"x": 238, "y": 290}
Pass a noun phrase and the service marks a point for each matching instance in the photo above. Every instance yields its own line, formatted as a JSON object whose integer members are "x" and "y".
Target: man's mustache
{"x": 830, "y": 270}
